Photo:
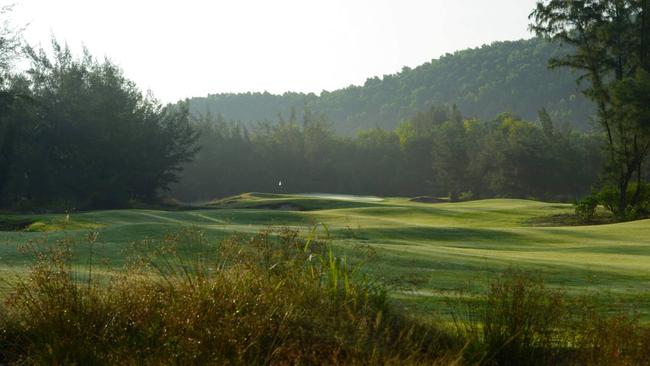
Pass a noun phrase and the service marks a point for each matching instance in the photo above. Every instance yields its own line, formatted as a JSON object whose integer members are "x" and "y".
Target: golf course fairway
{"x": 425, "y": 253}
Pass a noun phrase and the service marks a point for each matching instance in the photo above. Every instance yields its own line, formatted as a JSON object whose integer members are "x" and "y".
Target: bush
{"x": 608, "y": 197}
{"x": 586, "y": 208}
{"x": 466, "y": 196}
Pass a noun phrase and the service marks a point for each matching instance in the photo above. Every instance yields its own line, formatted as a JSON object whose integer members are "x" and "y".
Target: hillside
{"x": 483, "y": 82}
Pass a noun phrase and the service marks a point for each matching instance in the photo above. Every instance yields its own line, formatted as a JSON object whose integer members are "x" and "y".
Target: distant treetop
{"x": 503, "y": 76}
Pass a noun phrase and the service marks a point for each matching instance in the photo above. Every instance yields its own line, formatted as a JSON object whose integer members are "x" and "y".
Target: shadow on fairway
{"x": 432, "y": 234}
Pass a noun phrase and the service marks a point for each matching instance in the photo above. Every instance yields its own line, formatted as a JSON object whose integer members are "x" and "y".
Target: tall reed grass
{"x": 281, "y": 298}
{"x": 521, "y": 321}
{"x": 274, "y": 298}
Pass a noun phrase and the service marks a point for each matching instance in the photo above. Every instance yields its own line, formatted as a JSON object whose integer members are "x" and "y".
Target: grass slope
{"x": 425, "y": 252}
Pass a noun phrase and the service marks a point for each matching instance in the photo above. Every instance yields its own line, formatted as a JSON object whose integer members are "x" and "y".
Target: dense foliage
{"x": 77, "y": 134}
{"x": 437, "y": 152}
{"x": 482, "y": 82}
{"x": 611, "y": 42}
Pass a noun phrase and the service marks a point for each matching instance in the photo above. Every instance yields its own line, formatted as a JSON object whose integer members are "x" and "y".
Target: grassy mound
{"x": 25, "y": 223}
{"x": 307, "y": 202}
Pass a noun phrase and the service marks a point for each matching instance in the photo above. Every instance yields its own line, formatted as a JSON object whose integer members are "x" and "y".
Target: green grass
{"x": 275, "y": 298}
{"x": 424, "y": 252}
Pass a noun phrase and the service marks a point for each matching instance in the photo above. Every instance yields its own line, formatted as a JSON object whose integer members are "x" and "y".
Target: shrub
{"x": 586, "y": 208}
{"x": 466, "y": 196}
{"x": 608, "y": 197}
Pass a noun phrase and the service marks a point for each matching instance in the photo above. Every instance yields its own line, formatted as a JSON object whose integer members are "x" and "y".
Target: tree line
{"x": 607, "y": 42}
{"x": 437, "y": 152}
{"x": 76, "y": 134}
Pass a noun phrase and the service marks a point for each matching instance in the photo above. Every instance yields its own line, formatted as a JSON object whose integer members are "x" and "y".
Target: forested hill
{"x": 483, "y": 82}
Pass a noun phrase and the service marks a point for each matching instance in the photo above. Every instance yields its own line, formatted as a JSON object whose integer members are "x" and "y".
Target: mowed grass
{"x": 425, "y": 253}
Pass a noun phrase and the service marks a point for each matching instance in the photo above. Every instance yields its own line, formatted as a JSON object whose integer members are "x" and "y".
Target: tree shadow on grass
{"x": 418, "y": 234}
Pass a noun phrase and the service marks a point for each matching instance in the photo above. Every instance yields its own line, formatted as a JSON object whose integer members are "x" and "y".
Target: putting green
{"x": 424, "y": 252}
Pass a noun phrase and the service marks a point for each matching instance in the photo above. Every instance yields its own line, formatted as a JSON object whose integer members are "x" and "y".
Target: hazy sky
{"x": 189, "y": 48}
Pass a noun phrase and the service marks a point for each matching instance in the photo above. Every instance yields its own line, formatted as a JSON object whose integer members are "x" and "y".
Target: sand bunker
{"x": 342, "y": 197}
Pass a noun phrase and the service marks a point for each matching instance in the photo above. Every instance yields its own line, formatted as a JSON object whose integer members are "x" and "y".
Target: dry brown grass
{"x": 278, "y": 298}
{"x": 523, "y": 322}
{"x": 274, "y": 298}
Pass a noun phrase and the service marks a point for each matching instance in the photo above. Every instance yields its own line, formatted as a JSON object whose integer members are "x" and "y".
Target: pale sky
{"x": 187, "y": 48}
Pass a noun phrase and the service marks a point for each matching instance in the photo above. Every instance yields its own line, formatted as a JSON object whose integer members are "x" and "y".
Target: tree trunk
{"x": 623, "y": 184}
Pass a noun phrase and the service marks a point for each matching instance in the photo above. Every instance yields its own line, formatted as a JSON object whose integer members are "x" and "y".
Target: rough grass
{"x": 424, "y": 252}
{"x": 281, "y": 298}
{"x": 523, "y": 322}
{"x": 273, "y": 298}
